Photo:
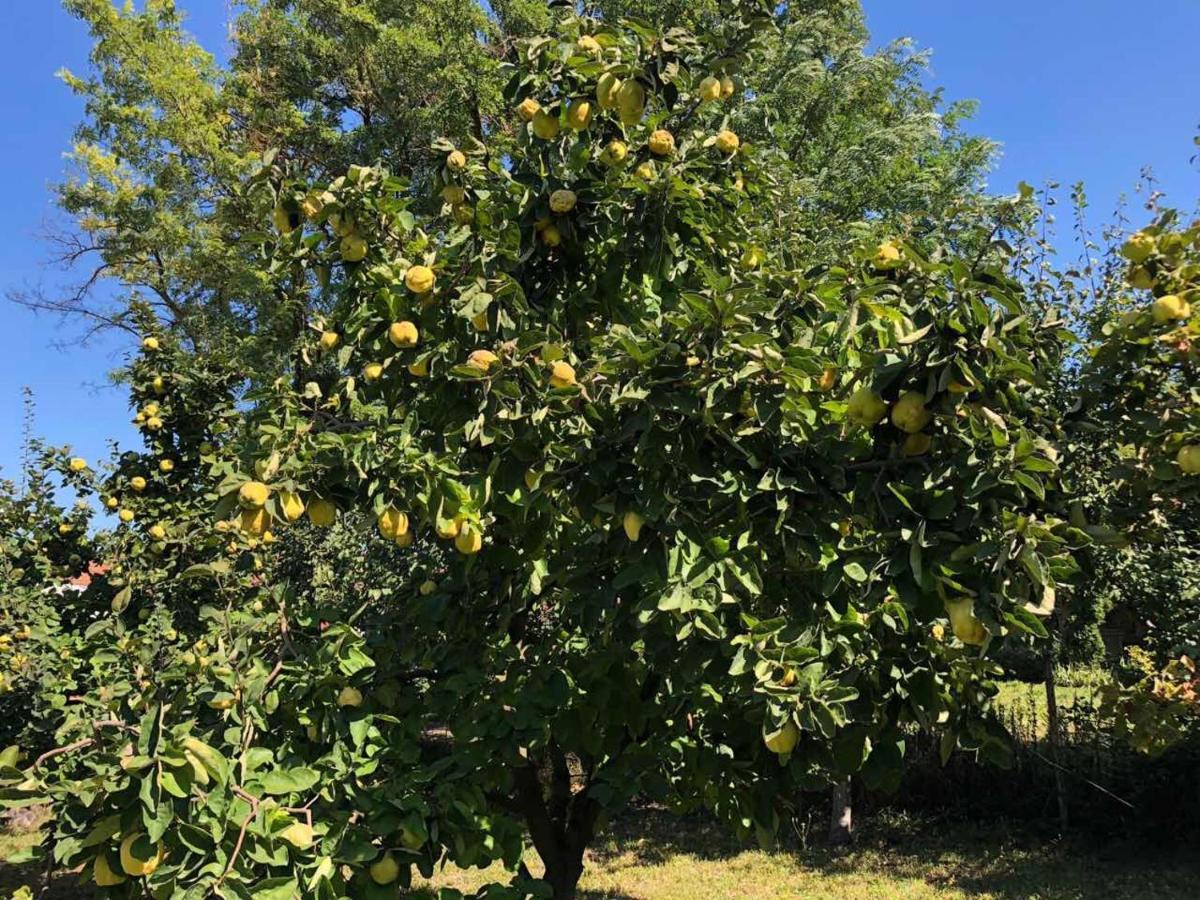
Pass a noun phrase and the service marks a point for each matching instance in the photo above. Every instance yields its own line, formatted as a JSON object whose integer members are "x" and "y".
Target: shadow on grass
{"x": 959, "y": 858}
{"x": 973, "y": 859}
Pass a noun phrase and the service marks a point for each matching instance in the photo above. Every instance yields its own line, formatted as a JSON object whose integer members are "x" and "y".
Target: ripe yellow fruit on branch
{"x": 1140, "y": 278}
{"x": 727, "y": 142}
{"x": 372, "y": 372}
{"x": 727, "y": 87}
{"x": 449, "y": 529}
{"x": 419, "y": 279}
{"x": 103, "y": 874}
{"x": 403, "y": 334}
{"x": 138, "y": 856}
{"x": 967, "y": 628}
{"x": 887, "y": 255}
{"x": 588, "y": 45}
{"x": 154, "y": 423}
{"x": 384, "y": 870}
{"x": 645, "y": 171}
{"x": 112, "y": 503}
{"x": 608, "y": 90}
{"x": 631, "y": 102}
{"x": 77, "y": 464}
{"x": 709, "y": 89}
{"x": 253, "y": 494}
{"x": 158, "y": 384}
{"x": 528, "y": 108}
{"x": 322, "y": 513}
{"x": 752, "y": 257}
{"x": 291, "y": 505}
{"x": 632, "y": 522}
{"x": 866, "y": 407}
{"x": 784, "y": 740}
{"x": 483, "y": 360}
{"x": 909, "y": 414}
{"x": 456, "y": 161}
{"x": 392, "y": 523}
{"x": 917, "y": 444}
{"x": 138, "y": 483}
{"x": 562, "y": 375}
{"x": 1139, "y": 247}
{"x": 150, "y": 344}
{"x": 562, "y": 201}
{"x": 1170, "y": 308}
{"x": 158, "y": 533}
{"x": 579, "y": 114}
{"x": 353, "y": 248}
{"x": 469, "y": 541}
{"x": 254, "y": 522}
{"x": 329, "y": 340}
{"x": 1188, "y": 458}
{"x": 350, "y": 696}
{"x": 614, "y": 153}
{"x": 166, "y": 466}
{"x": 662, "y": 143}
{"x": 545, "y": 125}
{"x": 125, "y": 515}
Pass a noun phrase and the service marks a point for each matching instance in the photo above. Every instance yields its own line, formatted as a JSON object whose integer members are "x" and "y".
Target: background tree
{"x": 170, "y": 138}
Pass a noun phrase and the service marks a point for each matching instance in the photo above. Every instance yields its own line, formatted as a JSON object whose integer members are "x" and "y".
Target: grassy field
{"x": 653, "y": 856}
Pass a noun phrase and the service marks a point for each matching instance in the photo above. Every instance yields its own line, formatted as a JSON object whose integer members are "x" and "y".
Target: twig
{"x": 59, "y": 751}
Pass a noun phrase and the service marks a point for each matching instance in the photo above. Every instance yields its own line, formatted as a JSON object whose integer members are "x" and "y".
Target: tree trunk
{"x": 841, "y": 818}
{"x": 560, "y": 826}
{"x": 1052, "y": 729}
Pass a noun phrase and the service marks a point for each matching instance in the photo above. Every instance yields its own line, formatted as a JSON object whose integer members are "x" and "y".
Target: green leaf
{"x": 289, "y": 781}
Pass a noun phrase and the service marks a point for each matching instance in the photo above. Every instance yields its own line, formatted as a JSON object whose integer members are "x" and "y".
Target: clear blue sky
{"x": 1074, "y": 89}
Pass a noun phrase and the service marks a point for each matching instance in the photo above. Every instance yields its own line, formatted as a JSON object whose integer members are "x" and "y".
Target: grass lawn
{"x": 1022, "y": 706}
{"x": 653, "y": 856}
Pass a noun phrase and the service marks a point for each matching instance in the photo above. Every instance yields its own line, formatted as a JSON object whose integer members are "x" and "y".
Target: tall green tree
{"x": 694, "y": 509}
{"x": 157, "y": 194}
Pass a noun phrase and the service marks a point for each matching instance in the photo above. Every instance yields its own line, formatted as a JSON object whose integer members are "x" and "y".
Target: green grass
{"x": 654, "y": 856}
{"x": 1024, "y": 705}
{"x": 651, "y": 855}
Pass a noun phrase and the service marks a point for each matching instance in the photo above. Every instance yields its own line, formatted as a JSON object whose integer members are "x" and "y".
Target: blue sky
{"x": 1073, "y": 89}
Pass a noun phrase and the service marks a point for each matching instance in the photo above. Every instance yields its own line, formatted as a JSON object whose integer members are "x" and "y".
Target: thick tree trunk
{"x": 841, "y": 814}
{"x": 561, "y": 825}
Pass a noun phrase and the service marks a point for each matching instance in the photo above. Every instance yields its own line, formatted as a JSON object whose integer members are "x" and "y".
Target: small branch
{"x": 59, "y": 751}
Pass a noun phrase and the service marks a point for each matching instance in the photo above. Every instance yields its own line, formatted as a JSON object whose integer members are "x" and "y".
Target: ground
{"x": 653, "y": 856}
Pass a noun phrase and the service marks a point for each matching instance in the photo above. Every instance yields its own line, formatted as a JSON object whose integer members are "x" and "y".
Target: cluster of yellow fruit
{"x": 1150, "y": 258}
{"x": 1155, "y": 265}
{"x": 627, "y": 98}
{"x": 1168, "y": 307}
{"x": 149, "y": 417}
{"x": 909, "y": 414}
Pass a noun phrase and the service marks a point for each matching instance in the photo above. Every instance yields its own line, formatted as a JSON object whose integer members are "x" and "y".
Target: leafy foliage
{"x": 712, "y": 488}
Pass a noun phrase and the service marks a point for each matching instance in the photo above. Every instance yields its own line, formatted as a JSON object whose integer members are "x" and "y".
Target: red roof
{"x": 84, "y": 579}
